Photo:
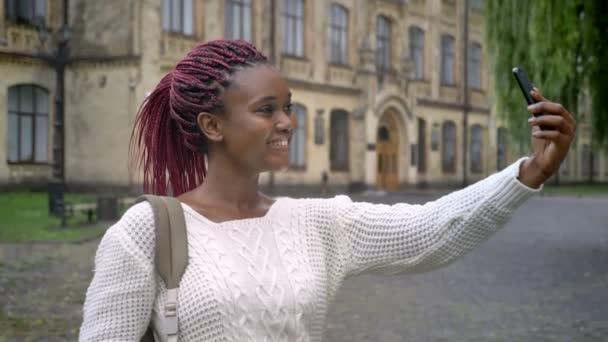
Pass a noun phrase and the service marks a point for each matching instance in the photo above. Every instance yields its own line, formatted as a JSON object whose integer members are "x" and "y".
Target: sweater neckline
{"x": 204, "y": 219}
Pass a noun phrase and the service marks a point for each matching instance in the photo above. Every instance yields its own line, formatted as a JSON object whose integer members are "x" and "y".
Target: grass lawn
{"x": 576, "y": 190}
{"x": 25, "y": 217}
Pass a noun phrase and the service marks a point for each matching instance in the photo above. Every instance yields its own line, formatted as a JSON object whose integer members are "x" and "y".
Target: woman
{"x": 261, "y": 268}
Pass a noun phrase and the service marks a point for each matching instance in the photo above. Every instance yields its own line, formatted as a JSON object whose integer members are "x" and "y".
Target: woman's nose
{"x": 285, "y": 123}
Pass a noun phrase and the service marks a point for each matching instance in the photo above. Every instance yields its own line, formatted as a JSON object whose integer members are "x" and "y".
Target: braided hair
{"x": 166, "y": 140}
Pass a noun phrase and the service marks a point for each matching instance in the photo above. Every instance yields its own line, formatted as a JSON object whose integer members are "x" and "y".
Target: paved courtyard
{"x": 543, "y": 278}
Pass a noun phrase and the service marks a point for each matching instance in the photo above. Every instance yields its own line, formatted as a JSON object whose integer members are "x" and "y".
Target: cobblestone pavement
{"x": 542, "y": 278}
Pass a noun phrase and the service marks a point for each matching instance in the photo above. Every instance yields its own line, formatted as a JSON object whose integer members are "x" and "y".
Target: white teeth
{"x": 278, "y": 143}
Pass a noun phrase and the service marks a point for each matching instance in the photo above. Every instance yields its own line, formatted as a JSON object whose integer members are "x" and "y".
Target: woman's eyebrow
{"x": 270, "y": 98}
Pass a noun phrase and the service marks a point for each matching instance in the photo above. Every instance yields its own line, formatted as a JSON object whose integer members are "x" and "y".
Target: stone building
{"x": 378, "y": 87}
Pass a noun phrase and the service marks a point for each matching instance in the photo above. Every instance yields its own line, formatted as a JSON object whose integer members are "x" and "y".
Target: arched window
{"x": 338, "y": 34}
{"x": 417, "y": 52}
{"x": 28, "y": 124}
{"x": 448, "y": 157}
{"x": 338, "y": 149}
{"x": 297, "y": 147}
{"x": 501, "y": 148}
{"x": 383, "y": 43}
{"x": 476, "y": 144}
{"x": 238, "y": 19}
{"x": 292, "y": 27}
{"x": 178, "y": 17}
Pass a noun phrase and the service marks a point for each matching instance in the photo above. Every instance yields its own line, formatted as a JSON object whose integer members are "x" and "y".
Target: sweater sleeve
{"x": 119, "y": 300}
{"x": 405, "y": 238}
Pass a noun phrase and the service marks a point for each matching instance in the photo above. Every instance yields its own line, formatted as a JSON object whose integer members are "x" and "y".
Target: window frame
{"x": 34, "y": 115}
{"x": 169, "y": 19}
{"x": 501, "y": 148}
{"x": 447, "y": 53}
{"x": 451, "y": 166}
{"x": 337, "y": 24}
{"x": 36, "y": 8}
{"x": 292, "y": 27}
{"x": 474, "y": 66}
{"x": 417, "y": 46}
{"x": 301, "y": 128}
{"x": 339, "y": 115}
{"x": 476, "y": 139}
{"x": 245, "y": 8}
{"x": 383, "y": 43}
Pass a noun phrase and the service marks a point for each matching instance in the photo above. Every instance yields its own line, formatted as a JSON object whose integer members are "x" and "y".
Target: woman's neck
{"x": 231, "y": 187}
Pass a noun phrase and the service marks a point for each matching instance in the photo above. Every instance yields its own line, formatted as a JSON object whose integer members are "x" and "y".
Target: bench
{"x": 91, "y": 209}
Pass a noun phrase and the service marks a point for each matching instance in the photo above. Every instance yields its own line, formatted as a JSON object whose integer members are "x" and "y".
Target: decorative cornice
{"x": 324, "y": 87}
{"x": 450, "y": 105}
{"x": 34, "y": 58}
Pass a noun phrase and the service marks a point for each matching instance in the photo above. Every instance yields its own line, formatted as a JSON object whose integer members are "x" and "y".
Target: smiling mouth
{"x": 279, "y": 143}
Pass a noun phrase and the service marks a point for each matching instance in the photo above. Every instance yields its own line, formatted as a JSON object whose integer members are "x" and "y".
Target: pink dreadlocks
{"x": 166, "y": 140}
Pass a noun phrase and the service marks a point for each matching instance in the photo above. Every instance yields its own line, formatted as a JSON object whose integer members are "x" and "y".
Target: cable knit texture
{"x": 272, "y": 278}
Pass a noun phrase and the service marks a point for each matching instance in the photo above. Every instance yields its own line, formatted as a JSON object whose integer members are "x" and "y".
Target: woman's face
{"x": 257, "y": 123}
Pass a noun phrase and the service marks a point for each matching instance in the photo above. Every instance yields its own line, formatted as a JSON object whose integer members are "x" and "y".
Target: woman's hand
{"x": 550, "y": 146}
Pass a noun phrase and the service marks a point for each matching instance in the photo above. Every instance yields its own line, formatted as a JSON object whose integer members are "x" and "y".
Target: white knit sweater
{"x": 272, "y": 278}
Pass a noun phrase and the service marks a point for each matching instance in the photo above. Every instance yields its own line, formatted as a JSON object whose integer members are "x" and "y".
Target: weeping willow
{"x": 562, "y": 45}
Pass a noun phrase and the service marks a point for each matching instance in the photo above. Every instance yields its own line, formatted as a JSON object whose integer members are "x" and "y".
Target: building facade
{"x": 378, "y": 88}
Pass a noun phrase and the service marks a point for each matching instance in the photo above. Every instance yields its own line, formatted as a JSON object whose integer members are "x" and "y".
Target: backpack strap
{"x": 171, "y": 255}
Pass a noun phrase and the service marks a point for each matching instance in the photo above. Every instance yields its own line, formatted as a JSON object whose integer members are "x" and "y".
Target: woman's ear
{"x": 211, "y": 126}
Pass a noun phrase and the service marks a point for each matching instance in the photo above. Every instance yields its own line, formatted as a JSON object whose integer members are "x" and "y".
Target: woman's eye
{"x": 289, "y": 108}
{"x": 266, "y": 110}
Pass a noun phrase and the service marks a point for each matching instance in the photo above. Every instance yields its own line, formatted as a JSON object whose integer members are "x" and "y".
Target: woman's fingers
{"x": 536, "y": 94}
{"x": 553, "y": 122}
{"x": 552, "y": 109}
{"x": 552, "y": 135}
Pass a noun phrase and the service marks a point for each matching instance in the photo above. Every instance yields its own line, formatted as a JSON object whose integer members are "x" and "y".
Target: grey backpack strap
{"x": 171, "y": 253}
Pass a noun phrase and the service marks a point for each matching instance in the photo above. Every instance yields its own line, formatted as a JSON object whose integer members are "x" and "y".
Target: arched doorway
{"x": 387, "y": 151}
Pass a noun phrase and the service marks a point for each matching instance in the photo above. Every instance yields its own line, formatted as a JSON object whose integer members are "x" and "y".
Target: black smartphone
{"x": 526, "y": 87}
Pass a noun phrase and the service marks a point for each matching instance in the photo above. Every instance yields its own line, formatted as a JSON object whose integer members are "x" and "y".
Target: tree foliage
{"x": 562, "y": 45}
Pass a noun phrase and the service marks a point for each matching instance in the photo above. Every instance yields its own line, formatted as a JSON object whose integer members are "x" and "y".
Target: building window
{"x": 292, "y": 27}
{"x": 338, "y": 34}
{"x": 435, "y": 137}
{"x": 383, "y": 43}
{"x": 178, "y": 16}
{"x": 501, "y": 148}
{"x": 28, "y": 124}
{"x": 338, "y": 149}
{"x": 30, "y": 12}
{"x": 238, "y": 19}
{"x": 585, "y": 160}
{"x": 319, "y": 128}
{"x": 297, "y": 145}
{"x": 477, "y": 5}
{"x": 476, "y": 144}
{"x": 447, "y": 60}
{"x": 564, "y": 167}
{"x": 474, "y": 68}
{"x": 417, "y": 52}
{"x": 448, "y": 158}
{"x": 421, "y": 146}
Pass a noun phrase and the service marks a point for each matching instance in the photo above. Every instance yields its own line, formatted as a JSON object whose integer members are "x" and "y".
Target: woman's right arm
{"x": 120, "y": 298}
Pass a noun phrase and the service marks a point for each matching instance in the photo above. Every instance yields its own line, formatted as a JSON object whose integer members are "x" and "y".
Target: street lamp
{"x": 58, "y": 59}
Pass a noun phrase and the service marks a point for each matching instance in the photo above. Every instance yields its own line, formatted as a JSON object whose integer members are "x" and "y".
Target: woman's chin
{"x": 277, "y": 167}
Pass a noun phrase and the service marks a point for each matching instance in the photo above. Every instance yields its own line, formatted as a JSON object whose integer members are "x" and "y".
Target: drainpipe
{"x": 465, "y": 78}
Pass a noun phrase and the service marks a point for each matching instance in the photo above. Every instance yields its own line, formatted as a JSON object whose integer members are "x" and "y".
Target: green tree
{"x": 562, "y": 45}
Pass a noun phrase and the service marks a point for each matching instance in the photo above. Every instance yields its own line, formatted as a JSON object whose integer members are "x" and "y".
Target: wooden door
{"x": 387, "y": 151}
